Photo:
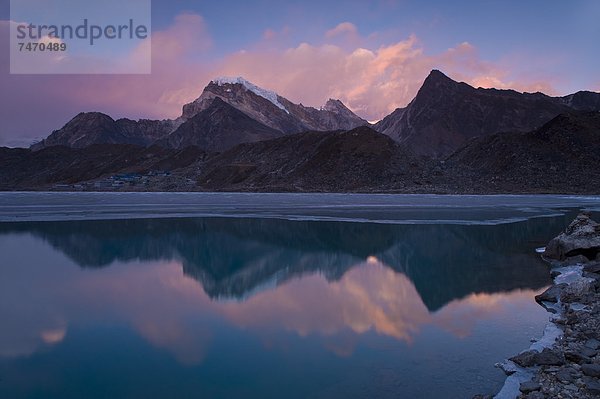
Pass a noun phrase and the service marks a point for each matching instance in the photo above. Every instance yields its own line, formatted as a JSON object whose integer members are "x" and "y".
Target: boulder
{"x": 547, "y": 357}
{"x": 578, "y": 291}
{"x": 592, "y": 370}
{"x": 529, "y": 386}
{"x": 525, "y": 359}
{"x": 592, "y": 343}
{"x": 592, "y": 385}
{"x": 534, "y": 358}
{"x": 592, "y": 267}
{"x": 581, "y": 237}
{"x": 565, "y": 376}
{"x": 578, "y": 357}
{"x": 552, "y": 294}
{"x": 588, "y": 352}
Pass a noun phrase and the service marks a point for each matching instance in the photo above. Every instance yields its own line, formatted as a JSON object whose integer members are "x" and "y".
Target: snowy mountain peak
{"x": 266, "y": 107}
{"x": 259, "y": 91}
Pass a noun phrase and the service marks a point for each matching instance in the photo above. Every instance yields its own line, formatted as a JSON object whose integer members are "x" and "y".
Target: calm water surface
{"x": 313, "y": 297}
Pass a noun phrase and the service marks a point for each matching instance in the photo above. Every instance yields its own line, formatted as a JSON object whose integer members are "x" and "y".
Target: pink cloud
{"x": 370, "y": 297}
{"x": 57, "y": 98}
{"x": 371, "y": 82}
{"x": 464, "y": 63}
{"x": 346, "y": 35}
{"x": 370, "y": 79}
{"x": 342, "y": 29}
{"x": 460, "y": 316}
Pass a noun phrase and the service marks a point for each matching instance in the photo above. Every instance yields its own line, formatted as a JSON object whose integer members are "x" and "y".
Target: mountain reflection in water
{"x": 232, "y": 258}
{"x": 179, "y": 283}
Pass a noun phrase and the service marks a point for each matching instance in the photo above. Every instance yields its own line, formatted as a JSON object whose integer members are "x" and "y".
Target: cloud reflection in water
{"x": 171, "y": 310}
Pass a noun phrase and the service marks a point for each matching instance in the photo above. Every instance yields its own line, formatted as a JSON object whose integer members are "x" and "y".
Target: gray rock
{"x": 592, "y": 344}
{"x": 536, "y": 395}
{"x": 578, "y": 357}
{"x": 551, "y": 294}
{"x": 592, "y": 267}
{"x": 592, "y": 385}
{"x": 529, "y": 386}
{"x": 592, "y": 370}
{"x": 571, "y": 260}
{"x": 577, "y": 290}
{"x": 548, "y": 358}
{"x": 581, "y": 237}
{"x": 565, "y": 376}
{"x": 571, "y": 387}
{"x": 525, "y": 359}
{"x": 588, "y": 352}
{"x": 552, "y": 369}
{"x": 533, "y": 358}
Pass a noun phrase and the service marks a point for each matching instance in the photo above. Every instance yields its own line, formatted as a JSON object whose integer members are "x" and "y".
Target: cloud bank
{"x": 372, "y": 80}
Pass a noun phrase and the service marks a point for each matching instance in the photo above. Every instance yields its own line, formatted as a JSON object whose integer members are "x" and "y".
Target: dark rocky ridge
{"x": 560, "y": 157}
{"x": 27, "y": 169}
{"x": 89, "y": 128}
{"x": 582, "y": 101}
{"x": 217, "y": 128}
{"x": 359, "y": 159}
{"x": 445, "y": 114}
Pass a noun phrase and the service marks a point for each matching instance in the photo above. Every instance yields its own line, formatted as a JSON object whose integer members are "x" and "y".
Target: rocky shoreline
{"x": 565, "y": 363}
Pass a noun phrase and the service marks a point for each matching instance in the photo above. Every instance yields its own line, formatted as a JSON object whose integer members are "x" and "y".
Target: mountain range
{"x": 451, "y": 138}
{"x": 441, "y": 118}
{"x": 229, "y": 111}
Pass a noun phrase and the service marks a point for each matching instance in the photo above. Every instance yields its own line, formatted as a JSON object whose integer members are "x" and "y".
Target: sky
{"x": 371, "y": 55}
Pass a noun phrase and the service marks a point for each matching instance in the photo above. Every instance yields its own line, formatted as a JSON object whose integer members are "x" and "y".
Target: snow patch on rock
{"x": 259, "y": 91}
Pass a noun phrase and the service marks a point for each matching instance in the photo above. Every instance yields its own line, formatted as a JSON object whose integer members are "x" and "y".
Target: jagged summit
{"x": 223, "y": 80}
{"x": 267, "y": 94}
{"x": 436, "y": 74}
{"x": 438, "y": 80}
{"x": 334, "y": 104}
{"x": 338, "y": 107}
{"x": 272, "y": 109}
{"x": 445, "y": 114}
